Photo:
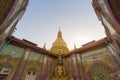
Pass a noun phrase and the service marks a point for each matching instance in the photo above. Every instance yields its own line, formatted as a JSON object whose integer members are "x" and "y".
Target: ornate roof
{"x": 28, "y": 44}
{"x": 59, "y": 46}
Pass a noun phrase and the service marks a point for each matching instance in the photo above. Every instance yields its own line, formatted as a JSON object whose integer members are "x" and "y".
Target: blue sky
{"x": 76, "y": 18}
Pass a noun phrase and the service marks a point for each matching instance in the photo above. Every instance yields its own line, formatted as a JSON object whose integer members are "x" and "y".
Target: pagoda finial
{"x": 59, "y": 33}
{"x": 59, "y": 46}
{"x": 44, "y": 46}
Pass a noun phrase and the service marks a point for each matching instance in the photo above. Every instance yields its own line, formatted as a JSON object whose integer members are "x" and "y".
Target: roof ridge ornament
{"x": 44, "y": 46}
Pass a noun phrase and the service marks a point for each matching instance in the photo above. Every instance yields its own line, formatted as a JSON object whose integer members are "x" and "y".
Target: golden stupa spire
{"x": 59, "y": 46}
{"x": 59, "y": 33}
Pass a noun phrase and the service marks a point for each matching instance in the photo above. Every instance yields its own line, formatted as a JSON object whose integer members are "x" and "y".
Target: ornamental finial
{"x": 59, "y": 33}
{"x": 75, "y": 47}
{"x": 44, "y": 46}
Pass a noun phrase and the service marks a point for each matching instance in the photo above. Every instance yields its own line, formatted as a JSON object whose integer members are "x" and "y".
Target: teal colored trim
{"x": 4, "y": 46}
{"x": 14, "y": 17}
{"x": 10, "y": 21}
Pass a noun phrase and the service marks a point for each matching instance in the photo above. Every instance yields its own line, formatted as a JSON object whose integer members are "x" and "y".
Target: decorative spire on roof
{"x": 59, "y": 33}
{"x": 44, "y": 46}
{"x": 59, "y": 46}
{"x": 75, "y": 47}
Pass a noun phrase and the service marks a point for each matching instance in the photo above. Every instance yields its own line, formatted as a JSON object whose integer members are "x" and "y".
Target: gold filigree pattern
{"x": 101, "y": 73}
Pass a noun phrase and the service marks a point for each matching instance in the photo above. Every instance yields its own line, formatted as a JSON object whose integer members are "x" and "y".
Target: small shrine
{"x": 60, "y": 72}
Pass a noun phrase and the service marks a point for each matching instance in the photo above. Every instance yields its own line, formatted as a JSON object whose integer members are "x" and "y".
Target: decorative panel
{"x": 14, "y": 53}
{"x": 99, "y": 56}
{"x": 101, "y": 71}
{"x": 11, "y": 57}
{"x": 33, "y": 64}
{"x": 45, "y": 63}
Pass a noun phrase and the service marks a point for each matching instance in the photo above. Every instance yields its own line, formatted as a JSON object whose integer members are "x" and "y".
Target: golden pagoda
{"x": 59, "y": 46}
